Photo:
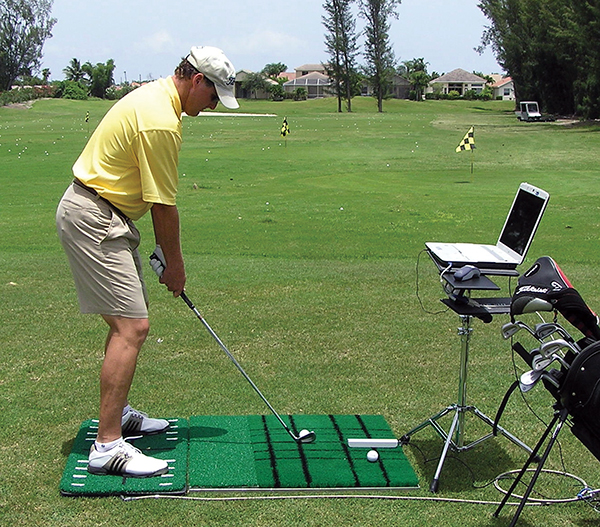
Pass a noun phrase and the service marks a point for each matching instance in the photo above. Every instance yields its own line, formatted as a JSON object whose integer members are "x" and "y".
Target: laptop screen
{"x": 522, "y": 221}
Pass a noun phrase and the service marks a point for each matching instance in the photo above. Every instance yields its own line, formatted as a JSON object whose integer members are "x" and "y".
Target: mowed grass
{"x": 305, "y": 258}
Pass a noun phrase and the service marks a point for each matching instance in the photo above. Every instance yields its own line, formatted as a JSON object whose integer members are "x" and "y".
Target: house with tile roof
{"x": 457, "y": 80}
{"x": 504, "y": 88}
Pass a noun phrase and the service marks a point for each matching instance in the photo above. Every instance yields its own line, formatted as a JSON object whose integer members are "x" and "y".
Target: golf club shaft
{"x": 237, "y": 364}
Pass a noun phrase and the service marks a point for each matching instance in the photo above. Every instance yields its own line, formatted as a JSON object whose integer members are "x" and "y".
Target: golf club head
{"x": 544, "y": 329}
{"x": 540, "y": 362}
{"x": 552, "y": 347}
{"x": 509, "y": 329}
{"x": 529, "y": 379}
{"x": 307, "y": 437}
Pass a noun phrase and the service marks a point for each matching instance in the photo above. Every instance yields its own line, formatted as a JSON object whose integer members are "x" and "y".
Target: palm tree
{"x": 74, "y": 72}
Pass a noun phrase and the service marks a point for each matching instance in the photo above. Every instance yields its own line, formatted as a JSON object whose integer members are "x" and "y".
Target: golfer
{"x": 129, "y": 167}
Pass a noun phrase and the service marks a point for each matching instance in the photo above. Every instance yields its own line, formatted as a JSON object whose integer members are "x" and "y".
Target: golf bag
{"x": 580, "y": 395}
{"x": 544, "y": 287}
{"x": 576, "y": 385}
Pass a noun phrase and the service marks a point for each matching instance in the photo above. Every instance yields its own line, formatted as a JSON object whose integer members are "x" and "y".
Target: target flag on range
{"x": 468, "y": 143}
{"x": 285, "y": 130}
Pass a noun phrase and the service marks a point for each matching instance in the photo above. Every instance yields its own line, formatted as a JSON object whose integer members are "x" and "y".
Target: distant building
{"x": 503, "y": 87}
{"x": 305, "y": 69}
{"x": 242, "y": 93}
{"x": 316, "y": 84}
{"x": 457, "y": 80}
{"x": 400, "y": 88}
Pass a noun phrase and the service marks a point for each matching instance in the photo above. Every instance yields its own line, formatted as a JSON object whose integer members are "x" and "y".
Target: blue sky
{"x": 147, "y": 38}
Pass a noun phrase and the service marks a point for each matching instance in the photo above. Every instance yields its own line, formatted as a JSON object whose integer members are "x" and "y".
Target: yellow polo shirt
{"x": 131, "y": 159}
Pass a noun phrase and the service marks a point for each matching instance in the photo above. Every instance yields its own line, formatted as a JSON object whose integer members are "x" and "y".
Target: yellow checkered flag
{"x": 285, "y": 129}
{"x": 468, "y": 142}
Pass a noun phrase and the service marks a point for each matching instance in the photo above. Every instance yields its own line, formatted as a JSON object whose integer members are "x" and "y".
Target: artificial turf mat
{"x": 252, "y": 452}
{"x": 256, "y": 452}
{"x": 171, "y": 445}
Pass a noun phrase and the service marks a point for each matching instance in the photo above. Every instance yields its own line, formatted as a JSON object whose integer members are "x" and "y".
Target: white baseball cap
{"x": 213, "y": 63}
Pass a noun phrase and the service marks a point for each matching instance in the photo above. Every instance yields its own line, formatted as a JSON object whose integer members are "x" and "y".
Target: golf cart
{"x": 530, "y": 112}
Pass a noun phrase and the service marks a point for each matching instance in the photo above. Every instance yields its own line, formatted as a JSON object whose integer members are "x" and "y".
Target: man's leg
{"x": 125, "y": 339}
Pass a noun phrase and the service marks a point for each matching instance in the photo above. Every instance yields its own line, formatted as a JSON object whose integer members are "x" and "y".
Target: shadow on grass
{"x": 67, "y": 447}
{"x": 463, "y": 471}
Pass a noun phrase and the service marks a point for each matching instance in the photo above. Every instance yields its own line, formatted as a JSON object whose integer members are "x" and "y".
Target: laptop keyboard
{"x": 492, "y": 305}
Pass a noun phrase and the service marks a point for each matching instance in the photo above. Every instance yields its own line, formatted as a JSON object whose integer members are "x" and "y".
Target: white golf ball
{"x": 372, "y": 456}
{"x": 304, "y": 433}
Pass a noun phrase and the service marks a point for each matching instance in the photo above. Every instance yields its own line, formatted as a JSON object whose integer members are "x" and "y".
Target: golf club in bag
{"x": 158, "y": 264}
{"x": 576, "y": 385}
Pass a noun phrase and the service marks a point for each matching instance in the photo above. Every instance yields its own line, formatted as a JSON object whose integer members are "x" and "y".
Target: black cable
{"x": 417, "y": 289}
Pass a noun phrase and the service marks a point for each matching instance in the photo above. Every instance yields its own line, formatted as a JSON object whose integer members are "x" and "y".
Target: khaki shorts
{"x": 102, "y": 248}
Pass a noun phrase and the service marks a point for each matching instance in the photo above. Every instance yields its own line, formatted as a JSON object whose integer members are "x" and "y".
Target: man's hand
{"x": 157, "y": 261}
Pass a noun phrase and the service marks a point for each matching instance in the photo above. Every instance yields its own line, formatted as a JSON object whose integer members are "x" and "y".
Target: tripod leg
{"x": 436, "y": 478}
{"x": 530, "y": 460}
{"x": 563, "y": 417}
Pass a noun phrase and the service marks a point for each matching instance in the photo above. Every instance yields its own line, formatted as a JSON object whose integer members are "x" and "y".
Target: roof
{"x": 459, "y": 75}
{"x": 289, "y": 75}
{"x": 502, "y": 82}
{"x": 312, "y": 79}
{"x": 311, "y": 67}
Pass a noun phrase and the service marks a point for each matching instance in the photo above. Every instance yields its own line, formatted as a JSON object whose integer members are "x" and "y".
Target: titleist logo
{"x": 532, "y": 289}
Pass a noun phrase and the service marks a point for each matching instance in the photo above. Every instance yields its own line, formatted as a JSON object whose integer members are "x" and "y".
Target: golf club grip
{"x": 186, "y": 299}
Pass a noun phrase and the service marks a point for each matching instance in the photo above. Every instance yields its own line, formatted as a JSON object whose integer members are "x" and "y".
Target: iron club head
{"x": 529, "y": 379}
{"x": 306, "y": 436}
{"x": 509, "y": 329}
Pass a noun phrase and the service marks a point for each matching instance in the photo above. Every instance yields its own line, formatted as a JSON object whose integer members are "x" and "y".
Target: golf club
{"x": 552, "y": 347}
{"x": 157, "y": 262}
{"x": 529, "y": 379}
{"x": 545, "y": 329}
{"x": 511, "y": 328}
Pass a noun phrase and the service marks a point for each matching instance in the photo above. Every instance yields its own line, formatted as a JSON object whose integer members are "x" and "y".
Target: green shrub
{"x": 119, "y": 91}
{"x": 27, "y": 93}
{"x": 73, "y": 90}
{"x": 300, "y": 94}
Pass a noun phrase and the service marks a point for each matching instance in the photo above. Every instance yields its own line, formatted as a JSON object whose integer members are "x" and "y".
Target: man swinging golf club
{"x": 129, "y": 167}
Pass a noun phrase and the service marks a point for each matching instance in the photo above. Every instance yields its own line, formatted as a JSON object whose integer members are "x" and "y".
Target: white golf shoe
{"x": 135, "y": 422}
{"x": 125, "y": 460}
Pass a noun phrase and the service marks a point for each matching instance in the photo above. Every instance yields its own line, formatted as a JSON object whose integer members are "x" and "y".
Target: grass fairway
{"x": 304, "y": 259}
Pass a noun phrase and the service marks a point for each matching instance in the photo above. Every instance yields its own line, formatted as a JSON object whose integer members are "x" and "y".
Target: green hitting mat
{"x": 171, "y": 445}
{"x": 253, "y": 452}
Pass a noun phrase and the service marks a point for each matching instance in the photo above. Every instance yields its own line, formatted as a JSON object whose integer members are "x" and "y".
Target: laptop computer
{"x": 514, "y": 240}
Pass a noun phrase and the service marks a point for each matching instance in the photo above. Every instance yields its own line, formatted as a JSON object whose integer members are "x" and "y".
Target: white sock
{"x": 127, "y": 408}
{"x": 105, "y": 447}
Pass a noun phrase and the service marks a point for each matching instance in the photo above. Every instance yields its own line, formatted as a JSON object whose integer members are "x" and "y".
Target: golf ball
{"x": 304, "y": 433}
{"x": 372, "y": 456}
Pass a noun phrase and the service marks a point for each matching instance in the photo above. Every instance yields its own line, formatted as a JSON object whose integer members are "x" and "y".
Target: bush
{"x": 277, "y": 92}
{"x": 115, "y": 92}
{"x": 25, "y": 94}
{"x": 74, "y": 90}
{"x": 300, "y": 94}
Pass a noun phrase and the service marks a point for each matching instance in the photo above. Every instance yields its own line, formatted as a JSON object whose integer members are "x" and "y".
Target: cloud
{"x": 159, "y": 42}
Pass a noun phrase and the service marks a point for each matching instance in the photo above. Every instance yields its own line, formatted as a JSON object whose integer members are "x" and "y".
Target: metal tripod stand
{"x": 454, "y": 438}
